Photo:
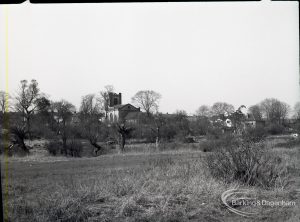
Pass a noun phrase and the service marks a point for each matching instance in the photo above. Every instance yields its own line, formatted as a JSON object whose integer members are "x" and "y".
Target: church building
{"x": 118, "y": 111}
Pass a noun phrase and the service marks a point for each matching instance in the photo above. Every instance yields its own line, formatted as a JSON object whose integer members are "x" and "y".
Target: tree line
{"x": 32, "y": 114}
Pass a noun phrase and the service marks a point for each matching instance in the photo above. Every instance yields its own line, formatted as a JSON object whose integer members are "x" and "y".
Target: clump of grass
{"x": 66, "y": 209}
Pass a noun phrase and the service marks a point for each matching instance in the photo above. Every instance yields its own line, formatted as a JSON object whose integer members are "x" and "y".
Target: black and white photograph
{"x": 150, "y": 112}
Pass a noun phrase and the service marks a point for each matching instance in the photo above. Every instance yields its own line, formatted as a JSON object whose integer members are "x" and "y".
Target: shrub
{"x": 275, "y": 129}
{"x": 189, "y": 139}
{"x": 248, "y": 163}
{"x": 215, "y": 132}
{"x": 168, "y": 132}
{"x": 223, "y": 141}
{"x": 209, "y": 145}
{"x": 144, "y": 132}
{"x": 42, "y": 132}
{"x": 74, "y": 148}
{"x": 200, "y": 126}
{"x": 255, "y": 134}
{"x": 53, "y": 147}
{"x": 296, "y": 127}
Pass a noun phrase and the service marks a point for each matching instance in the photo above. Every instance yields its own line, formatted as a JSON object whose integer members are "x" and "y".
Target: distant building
{"x": 114, "y": 99}
{"x": 250, "y": 120}
{"x": 117, "y": 111}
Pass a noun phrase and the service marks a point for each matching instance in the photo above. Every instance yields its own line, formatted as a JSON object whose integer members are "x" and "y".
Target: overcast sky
{"x": 191, "y": 53}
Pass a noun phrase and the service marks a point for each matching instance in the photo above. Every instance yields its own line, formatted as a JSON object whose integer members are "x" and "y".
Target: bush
{"x": 215, "y": 132}
{"x": 249, "y": 164}
{"x": 189, "y": 139}
{"x": 168, "y": 132}
{"x": 53, "y": 147}
{"x": 223, "y": 141}
{"x": 255, "y": 134}
{"x": 275, "y": 129}
{"x": 144, "y": 132}
{"x": 296, "y": 127}
{"x": 74, "y": 148}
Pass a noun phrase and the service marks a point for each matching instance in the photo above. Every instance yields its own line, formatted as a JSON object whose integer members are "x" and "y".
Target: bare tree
{"x": 90, "y": 106}
{"x": 90, "y": 114}
{"x": 104, "y": 98}
{"x": 4, "y": 101}
{"x": 256, "y": 111}
{"x": 93, "y": 130}
{"x": 297, "y": 110}
{"x": 220, "y": 108}
{"x": 148, "y": 100}
{"x": 204, "y": 110}
{"x": 124, "y": 132}
{"x": 63, "y": 112}
{"x": 275, "y": 110}
{"x": 30, "y": 100}
{"x": 181, "y": 123}
{"x": 19, "y": 134}
{"x": 159, "y": 122}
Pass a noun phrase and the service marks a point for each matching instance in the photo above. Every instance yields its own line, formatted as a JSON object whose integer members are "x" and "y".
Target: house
{"x": 249, "y": 120}
{"x": 117, "y": 111}
{"x": 235, "y": 122}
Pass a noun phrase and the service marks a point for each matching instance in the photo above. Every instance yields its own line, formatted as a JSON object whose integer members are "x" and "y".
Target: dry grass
{"x": 158, "y": 186}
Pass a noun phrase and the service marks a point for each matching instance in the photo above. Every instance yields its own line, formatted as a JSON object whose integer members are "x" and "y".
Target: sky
{"x": 191, "y": 53}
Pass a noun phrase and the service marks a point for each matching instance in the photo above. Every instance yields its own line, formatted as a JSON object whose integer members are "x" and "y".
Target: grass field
{"x": 173, "y": 185}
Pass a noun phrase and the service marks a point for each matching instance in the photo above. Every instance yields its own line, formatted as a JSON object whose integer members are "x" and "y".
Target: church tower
{"x": 114, "y": 99}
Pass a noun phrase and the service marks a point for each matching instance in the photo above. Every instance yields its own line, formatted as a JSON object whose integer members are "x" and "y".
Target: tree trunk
{"x": 148, "y": 113}
{"x": 64, "y": 138}
{"x": 64, "y": 150}
{"x": 94, "y": 144}
{"x": 20, "y": 141}
{"x": 157, "y": 138}
{"x": 28, "y": 127}
{"x": 24, "y": 147}
{"x": 122, "y": 143}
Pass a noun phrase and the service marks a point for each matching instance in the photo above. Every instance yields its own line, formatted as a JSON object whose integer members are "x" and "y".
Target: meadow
{"x": 142, "y": 184}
